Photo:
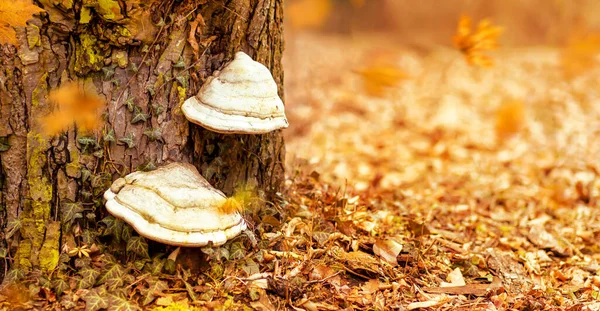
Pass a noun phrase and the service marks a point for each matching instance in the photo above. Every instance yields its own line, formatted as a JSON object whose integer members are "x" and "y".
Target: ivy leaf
{"x": 88, "y": 277}
{"x": 236, "y": 251}
{"x": 67, "y": 302}
{"x": 190, "y": 289}
{"x": 87, "y": 236}
{"x": 147, "y": 166}
{"x": 85, "y": 174}
{"x": 130, "y": 104}
{"x": 69, "y": 209}
{"x": 138, "y": 246}
{"x": 182, "y": 81}
{"x": 108, "y": 71}
{"x": 128, "y": 140}
{"x": 110, "y": 136}
{"x": 59, "y": 285}
{"x": 154, "y": 287}
{"x": 157, "y": 265}
{"x": 120, "y": 304}
{"x": 157, "y": 109}
{"x": 140, "y": 264}
{"x": 180, "y": 63}
{"x": 99, "y": 154}
{"x": 14, "y": 275}
{"x": 96, "y": 299}
{"x": 112, "y": 274}
{"x": 153, "y": 133}
{"x": 87, "y": 141}
{"x": 138, "y": 116}
{"x": 12, "y": 227}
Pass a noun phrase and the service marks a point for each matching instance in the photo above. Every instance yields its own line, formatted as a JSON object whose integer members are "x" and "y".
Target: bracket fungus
{"x": 239, "y": 99}
{"x": 174, "y": 205}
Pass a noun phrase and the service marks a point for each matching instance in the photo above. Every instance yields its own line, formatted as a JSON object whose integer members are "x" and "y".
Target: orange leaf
{"x": 510, "y": 118}
{"x": 75, "y": 104}
{"x": 14, "y": 14}
{"x": 377, "y": 78}
{"x": 472, "y": 44}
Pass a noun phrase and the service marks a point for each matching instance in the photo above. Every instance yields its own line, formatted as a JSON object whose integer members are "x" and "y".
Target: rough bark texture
{"x": 144, "y": 57}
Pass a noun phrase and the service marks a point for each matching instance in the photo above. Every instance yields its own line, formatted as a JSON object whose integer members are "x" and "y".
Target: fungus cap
{"x": 241, "y": 98}
{"x": 174, "y": 205}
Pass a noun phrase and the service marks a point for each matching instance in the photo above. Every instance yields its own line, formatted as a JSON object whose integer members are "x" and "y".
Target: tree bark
{"x": 144, "y": 57}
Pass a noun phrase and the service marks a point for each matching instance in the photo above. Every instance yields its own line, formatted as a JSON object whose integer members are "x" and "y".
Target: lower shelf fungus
{"x": 174, "y": 205}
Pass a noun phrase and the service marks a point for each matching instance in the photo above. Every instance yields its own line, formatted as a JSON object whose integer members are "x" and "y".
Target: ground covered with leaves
{"x": 414, "y": 182}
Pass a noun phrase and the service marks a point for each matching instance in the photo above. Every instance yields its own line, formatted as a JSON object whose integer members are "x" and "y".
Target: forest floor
{"x": 459, "y": 188}
{"x": 415, "y": 182}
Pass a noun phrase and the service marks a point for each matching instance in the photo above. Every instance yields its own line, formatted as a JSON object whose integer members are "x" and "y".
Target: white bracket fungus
{"x": 241, "y": 98}
{"x": 174, "y": 205}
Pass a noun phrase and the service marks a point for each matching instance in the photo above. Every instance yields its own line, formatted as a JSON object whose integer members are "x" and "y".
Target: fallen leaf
{"x": 510, "y": 119}
{"x": 388, "y": 249}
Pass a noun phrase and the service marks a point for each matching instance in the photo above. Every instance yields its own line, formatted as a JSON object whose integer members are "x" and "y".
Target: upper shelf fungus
{"x": 174, "y": 205}
{"x": 241, "y": 98}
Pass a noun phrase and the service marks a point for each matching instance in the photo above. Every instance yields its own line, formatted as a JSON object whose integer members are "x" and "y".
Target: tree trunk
{"x": 146, "y": 56}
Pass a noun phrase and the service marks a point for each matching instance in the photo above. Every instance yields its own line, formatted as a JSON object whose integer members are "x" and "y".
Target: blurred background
{"x": 380, "y": 98}
{"x": 433, "y": 22}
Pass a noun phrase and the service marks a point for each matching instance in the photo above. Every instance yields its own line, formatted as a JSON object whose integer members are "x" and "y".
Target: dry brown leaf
{"x": 473, "y": 44}
{"x": 15, "y": 14}
{"x": 308, "y": 13}
{"x": 388, "y": 249}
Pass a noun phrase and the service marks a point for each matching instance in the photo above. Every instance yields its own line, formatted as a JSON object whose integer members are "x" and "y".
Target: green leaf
{"x": 85, "y": 174}
{"x": 87, "y": 236}
{"x": 157, "y": 265}
{"x": 237, "y": 251}
{"x": 88, "y": 277}
{"x": 146, "y": 166}
{"x": 150, "y": 90}
{"x": 157, "y": 109}
{"x": 112, "y": 274}
{"x": 108, "y": 72}
{"x": 138, "y": 246}
{"x": 180, "y": 63}
{"x": 153, "y": 133}
{"x": 14, "y": 275}
{"x": 59, "y": 285}
{"x": 12, "y": 227}
{"x": 170, "y": 266}
{"x": 126, "y": 232}
{"x": 155, "y": 287}
{"x": 68, "y": 210}
{"x": 110, "y": 136}
{"x": 96, "y": 299}
{"x": 99, "y": 154}
{"x": 182, "y": 80}
{"x": 138, "y": 116}
{"x": 87, "y": 141}
{"x": 128, "y": 140}
{"x": 120, "y": 304}
{"x": 190, "y": 290}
